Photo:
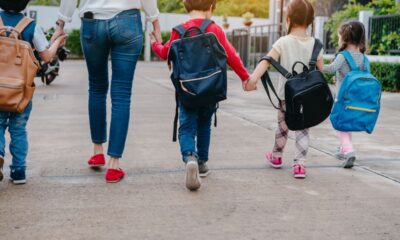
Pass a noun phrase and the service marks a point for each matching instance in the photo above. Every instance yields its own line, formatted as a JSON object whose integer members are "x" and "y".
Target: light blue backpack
{"x": 357, "y": 104}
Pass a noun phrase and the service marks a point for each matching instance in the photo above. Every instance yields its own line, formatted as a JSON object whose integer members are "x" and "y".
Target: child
{"x": 296, "y": 46}
{"x": 352, "y": 39}
{"x": 195, "y": 124}
{"x": 16, "y": 122}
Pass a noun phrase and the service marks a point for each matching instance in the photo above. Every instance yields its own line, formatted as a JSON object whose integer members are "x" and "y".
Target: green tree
{"x": 46, "y": 2}
{"x": 351, "y": 10}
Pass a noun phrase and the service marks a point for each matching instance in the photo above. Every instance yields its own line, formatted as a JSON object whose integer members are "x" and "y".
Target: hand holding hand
{"x": 244, "y": 84}
{"x": 59, "y": 31}
{"x": 157, "y": 31}
{"x": 251, "y": 85}
{"x": 60, "y": 40}
{"x": 153, "y": 38}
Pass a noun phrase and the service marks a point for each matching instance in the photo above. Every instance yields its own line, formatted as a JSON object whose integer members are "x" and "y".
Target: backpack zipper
{"x": 360, "y": 109}
{"x": 201, "y": 78}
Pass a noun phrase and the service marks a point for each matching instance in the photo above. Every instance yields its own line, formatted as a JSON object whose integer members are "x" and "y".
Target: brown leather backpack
{"x": 18, "y": 68}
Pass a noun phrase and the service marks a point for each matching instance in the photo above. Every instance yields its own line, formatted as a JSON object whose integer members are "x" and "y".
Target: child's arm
{"x": 162, "y": 50}
{"x": 48, "y": 54}
{"x": 42, "y": 45}
{"x": 233, "y": 58}
{"x": 261, "y": 68}
{"x": 335, "y": 65}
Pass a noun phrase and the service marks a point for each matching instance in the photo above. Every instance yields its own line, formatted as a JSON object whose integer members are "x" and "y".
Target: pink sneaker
{"x": 274, "y": 162}
{"x": 299, "y": 171}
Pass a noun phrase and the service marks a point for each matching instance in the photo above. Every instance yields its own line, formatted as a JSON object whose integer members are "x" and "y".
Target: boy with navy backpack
{"x": 357, "y": 102}
{"x": 198, "y": 52}
{"x": 12, "y": 23}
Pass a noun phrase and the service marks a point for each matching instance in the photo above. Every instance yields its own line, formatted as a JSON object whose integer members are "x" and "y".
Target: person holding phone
{"x": 113, "y": 28}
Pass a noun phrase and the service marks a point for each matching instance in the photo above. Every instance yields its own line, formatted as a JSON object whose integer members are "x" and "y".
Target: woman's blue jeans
{"x": 122, "y": 37}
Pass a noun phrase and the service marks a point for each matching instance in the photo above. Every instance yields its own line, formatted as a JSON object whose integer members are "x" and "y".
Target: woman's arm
{"x": 152, "y": 13}
{"x": 67, "y": 9}
{"x": 65, "y": 13}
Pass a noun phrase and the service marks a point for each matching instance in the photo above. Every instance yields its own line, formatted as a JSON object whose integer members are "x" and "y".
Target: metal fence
{"x": 252, "y": 43}
{"x": 381, "y": 26}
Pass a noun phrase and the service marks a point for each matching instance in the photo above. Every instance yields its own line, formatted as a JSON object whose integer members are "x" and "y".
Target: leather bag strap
{"x": 23, "y": 24}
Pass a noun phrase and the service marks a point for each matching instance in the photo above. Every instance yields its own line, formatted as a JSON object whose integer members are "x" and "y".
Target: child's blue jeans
{"x": 195, "y": 126}
{"x": 16, "y": 125}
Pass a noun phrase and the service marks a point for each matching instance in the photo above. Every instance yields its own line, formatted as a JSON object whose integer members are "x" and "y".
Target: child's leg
{"x": 346, "y": 144}
{"x": 3, "y": 126}
{"x": 281, "y": 136}
{"x": 19, "y": 138}
{"x": 187, "y": 131}
{"x": 302, "y": 144}
{"x": 204, "y": 132}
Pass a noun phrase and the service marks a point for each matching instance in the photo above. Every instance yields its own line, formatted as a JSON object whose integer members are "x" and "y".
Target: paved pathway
{"x": 242, "y": 198}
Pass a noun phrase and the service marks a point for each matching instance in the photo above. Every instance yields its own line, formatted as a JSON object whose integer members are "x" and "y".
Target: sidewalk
{"x": 241, "y": 199}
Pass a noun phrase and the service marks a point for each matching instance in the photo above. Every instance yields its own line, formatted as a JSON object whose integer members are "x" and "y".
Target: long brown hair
{"x": 300, "y": 13}
{"x": 353, "y": 32}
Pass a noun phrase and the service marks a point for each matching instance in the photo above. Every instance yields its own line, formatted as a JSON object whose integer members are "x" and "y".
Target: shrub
{"x": 388, "y": 74}
{"x": 74, "y": 43}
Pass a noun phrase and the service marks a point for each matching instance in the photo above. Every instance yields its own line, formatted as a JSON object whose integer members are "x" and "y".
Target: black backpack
{"x": 308, "y": 96}
{"x": 199, "y": 68}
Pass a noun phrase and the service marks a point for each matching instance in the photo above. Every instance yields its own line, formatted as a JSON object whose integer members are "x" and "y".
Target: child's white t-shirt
{"x": 39, "y": 40}
{"x": 292, "y": 49}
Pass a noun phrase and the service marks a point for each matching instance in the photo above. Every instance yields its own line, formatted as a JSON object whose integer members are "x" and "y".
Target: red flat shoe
{"x": 97, "y": 160}
{"x": 114, "y": 175}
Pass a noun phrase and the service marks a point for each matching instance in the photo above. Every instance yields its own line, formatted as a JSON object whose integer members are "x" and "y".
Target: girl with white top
{"x": 110, "y": 27}
{"x": 296, "y": 46}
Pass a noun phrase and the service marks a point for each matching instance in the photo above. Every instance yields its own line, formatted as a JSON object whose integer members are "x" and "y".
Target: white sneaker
{"x": 192, "y": 176}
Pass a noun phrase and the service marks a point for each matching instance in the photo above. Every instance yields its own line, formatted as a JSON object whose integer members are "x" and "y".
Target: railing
{"x": 381, "y": 26}
{"x": 252, "y": 43}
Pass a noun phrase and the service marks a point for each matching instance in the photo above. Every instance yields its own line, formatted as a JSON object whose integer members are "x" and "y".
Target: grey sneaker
{"x": 192, "y": 176}
{"x": 1, "y": 168}
{"x": 339, "y": 155}
{"x": 349, "y": 159}
{"x": 204, "y": 170}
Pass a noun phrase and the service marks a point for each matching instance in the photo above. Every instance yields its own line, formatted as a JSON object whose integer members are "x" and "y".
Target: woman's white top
{"x": 106, "y": 9}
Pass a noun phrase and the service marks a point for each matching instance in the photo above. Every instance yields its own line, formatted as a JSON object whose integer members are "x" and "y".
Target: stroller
{"x": 49, "y": 71}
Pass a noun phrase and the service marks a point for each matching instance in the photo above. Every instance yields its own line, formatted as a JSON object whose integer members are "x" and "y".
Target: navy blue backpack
{"x": 357, "y": 104}
{"x": 199, "y": 68}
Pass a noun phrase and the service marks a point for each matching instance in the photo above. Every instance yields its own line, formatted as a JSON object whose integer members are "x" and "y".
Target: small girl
{"x": 352, "y": 39}
{"x": 296, "y": 46}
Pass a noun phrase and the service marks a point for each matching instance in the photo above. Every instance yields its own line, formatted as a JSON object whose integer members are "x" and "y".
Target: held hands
{"x": 60, "y": 40}
{"x": 153, "y": 38}
{"x": 250, "y": 85}
{"x": 59, "y": 32}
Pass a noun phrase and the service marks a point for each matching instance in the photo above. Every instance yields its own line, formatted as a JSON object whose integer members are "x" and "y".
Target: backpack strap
{"x": 23, "y": 24}
{"x": 180, "y": 29}
{"x": 349, "y": 59}
{"x": 314, "y": 57}
{"x": 278, "y": 66}
{"x": 204, "y": 25}
{"x": 366, "y": 64}
{"x": 175, "y": 131}
{"x": 266, "y": 81}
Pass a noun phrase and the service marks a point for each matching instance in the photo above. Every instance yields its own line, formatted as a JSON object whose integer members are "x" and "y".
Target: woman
{"x": 110, "y": 27}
